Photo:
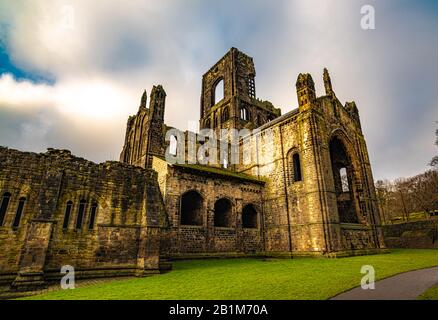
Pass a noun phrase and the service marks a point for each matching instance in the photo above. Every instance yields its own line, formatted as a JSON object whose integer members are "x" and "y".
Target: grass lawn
{"x": 300, "y": 278}
{"x": 431, "y": 294}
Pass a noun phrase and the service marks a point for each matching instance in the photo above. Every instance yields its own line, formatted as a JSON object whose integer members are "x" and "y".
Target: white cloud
{"x": 102, "y": 54}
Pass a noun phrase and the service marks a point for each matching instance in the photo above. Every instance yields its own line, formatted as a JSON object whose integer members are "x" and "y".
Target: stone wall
{"x": 121, "y": 238}
{"x": 303, "y": 216}
{"x": 417, "y": 234}
{"x": 206, "y": 238}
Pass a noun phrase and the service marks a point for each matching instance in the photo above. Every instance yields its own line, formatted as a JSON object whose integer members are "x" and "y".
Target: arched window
{"x": 342, "y": 176}
{"x": 222, "y": 213}
{"x": 216, "y": 121}
{"x": 218, "y": 91}
{"x": 191, "y": 208}
{"x": 4, "y": 206}
{"x": 208, "y": 123}
{"x": 173, "y": 144}
{"x": 225, "y": 114}
{"x": 296, "y": 167}
{"x": 19, "y": 212}
{"x": 81, "y": 213}
{"x": 93, "y": 212}
{"x": 249, "y": 216}
{"x": 244, "y": 115}
{"x": 67, "y": 214}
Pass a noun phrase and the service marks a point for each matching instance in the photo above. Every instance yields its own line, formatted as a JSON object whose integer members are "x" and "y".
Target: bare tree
{"x": 434, "y": 162}
{"x": 404, "y": 196}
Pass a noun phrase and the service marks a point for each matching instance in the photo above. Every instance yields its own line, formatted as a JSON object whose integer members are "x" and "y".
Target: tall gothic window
{"x": 81, "y": 213}
{"x": 67, "y": 214}
{"x": 19, "y": 212}
{"x": 342, "y": 168}
{"x": 4, "y": 207}
{"x": 296, "y": 167}
{"x": 93, "y": 212}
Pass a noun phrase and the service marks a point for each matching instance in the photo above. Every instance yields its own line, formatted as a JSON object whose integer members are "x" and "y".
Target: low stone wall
{"x": 103, "y": 219}
{"x": 417, "y": 234}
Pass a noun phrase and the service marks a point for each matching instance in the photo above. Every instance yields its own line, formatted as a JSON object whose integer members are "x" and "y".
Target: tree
{"x": 434, "y": 162}
{"x": 424, "y": 191}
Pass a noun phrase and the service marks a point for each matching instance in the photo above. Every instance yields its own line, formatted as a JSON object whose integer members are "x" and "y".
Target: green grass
{"x": 301, "y": 278}
{"x": 430, "y": 294}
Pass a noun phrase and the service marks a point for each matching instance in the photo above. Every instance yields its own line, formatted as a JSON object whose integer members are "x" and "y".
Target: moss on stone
{"x": 220, "y": 171}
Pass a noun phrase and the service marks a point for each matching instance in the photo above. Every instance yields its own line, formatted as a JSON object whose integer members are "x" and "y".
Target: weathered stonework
{"x": 122, "y": 238}
{"x": 307, "y": 189}
{"x": 416, "y": 234}
{"x": 304, "y": 202}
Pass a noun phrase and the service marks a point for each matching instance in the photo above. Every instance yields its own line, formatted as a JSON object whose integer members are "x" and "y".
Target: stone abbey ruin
{"x": 310, "y": 190}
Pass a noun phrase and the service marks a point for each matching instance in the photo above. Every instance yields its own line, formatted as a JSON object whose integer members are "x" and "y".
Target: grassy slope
{"x": 304, "y": 278}
{"x": 431, "y": 294}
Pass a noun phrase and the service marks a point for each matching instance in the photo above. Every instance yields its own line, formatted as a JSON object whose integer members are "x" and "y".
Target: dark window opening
{"x": 225, "y": 114}
{"x": 67, "y": 215}
{"x": 92, "y": 216}
{"x": 81, "y": 213}
{"x": 222, "y": 213}
{"x": 191, "y": 208}
{"x": 19, "y": 212}
{"x": 296, "y": 167}
{"x": 208, "y": 124}
{"x": 249, "y": 216}
{"x": 4, "y": 207}
{"x": 342, "y": 176}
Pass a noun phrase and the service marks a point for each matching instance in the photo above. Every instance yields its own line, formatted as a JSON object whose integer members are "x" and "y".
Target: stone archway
{"x": 223, "y": 213}
{"x": 191, "y": 208}
{"x": 344, "y": 180}
{"x": 249, "y": 216}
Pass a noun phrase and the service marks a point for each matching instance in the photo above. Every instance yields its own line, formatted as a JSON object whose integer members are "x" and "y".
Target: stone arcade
{"x": 313, "y": 195}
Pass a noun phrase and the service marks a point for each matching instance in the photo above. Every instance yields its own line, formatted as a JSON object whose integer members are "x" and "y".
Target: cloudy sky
{"x": 71, "y": 71}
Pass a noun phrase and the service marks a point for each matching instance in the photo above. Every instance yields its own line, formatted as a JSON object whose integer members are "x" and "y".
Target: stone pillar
{"x": 148, "y": 258}
{"x": 31, "y": 264}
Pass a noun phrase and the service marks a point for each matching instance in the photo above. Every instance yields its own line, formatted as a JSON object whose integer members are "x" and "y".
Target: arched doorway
{"x": 223, "y": 213}
{"x": 191, "y": 208}
{"x": 343, "y": 175}
{"x": 249, "y": 216}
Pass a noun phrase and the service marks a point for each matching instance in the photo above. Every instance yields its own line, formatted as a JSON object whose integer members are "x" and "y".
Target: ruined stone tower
{"x": 144, "y": 137}
{"x": 232, "y": 78}
{"x": 308, "y": 190}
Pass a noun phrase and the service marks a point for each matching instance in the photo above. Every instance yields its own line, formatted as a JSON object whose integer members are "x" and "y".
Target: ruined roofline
{"x": 277, "y": 120}
{"x": 66, "y": 154}
{"x": 211, "y": 170}
{"x": 223, "y": 57}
